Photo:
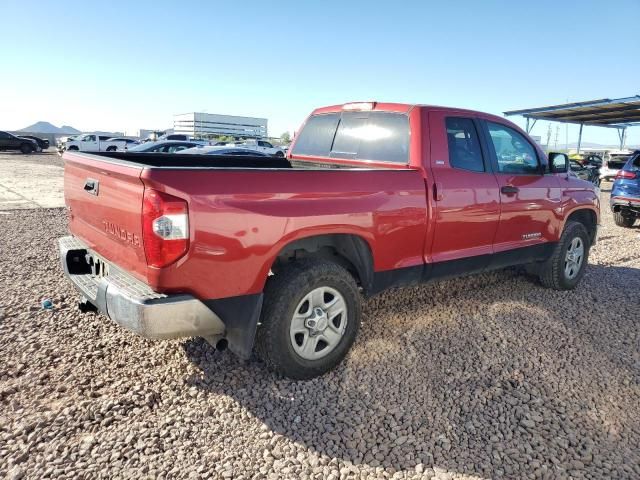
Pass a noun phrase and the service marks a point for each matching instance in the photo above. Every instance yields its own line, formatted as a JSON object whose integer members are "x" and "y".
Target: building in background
{"x": 198, "y": 124}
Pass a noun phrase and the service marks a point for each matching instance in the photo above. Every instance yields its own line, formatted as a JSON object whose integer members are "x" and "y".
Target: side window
{"x": 4, "y": 135}
{"x": 513, "y": 151}
{"x": 464, "y": 145}
{"x": 317, "y": 135}
{"x": 267, "y": 144}
{"x": 89, "y": 138}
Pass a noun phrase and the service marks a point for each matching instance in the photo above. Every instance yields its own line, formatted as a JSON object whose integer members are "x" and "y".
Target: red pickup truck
{"x": 275, "y": 253}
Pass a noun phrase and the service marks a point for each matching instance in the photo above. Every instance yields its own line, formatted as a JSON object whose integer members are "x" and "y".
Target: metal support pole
{"x": 621, "y": 135}
{"x": 580, "y": 138}
{"x": 528, "y": 125}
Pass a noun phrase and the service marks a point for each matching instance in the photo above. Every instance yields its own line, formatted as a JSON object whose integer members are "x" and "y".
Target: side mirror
{"x": 558, "y": 162}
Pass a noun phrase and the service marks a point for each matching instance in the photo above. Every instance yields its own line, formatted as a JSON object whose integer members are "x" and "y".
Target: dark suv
{"x": 11, "y": 142}
{"x": 625, "y": 193}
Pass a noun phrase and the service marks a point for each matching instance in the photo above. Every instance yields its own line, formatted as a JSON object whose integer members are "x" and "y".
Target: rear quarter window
{"x": 316, "y": 136}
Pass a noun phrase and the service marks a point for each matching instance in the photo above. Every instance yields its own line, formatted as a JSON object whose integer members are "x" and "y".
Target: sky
{"x": 123, "y": 66}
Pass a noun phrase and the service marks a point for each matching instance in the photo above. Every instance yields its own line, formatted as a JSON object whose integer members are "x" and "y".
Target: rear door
{"x": 467, "y": 200}
{"x": 104, "y": 199}
{"x": 529, "y": 196}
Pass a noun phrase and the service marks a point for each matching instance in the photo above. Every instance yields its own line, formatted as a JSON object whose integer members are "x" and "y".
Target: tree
{"x": 286, "y": 138}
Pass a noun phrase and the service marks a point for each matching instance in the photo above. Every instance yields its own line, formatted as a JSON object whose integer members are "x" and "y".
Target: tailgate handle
{"x": 91, "y": 186}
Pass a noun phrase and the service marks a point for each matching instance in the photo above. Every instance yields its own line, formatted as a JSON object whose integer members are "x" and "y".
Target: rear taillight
{"x": 165, "y": 228}
{"x": 625, "y": 175}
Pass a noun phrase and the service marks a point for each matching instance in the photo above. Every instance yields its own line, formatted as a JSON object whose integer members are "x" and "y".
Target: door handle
{"x": 509, "y": 189}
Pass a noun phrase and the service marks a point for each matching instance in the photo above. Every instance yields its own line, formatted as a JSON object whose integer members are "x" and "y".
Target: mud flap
{"x": 240, "y": 316}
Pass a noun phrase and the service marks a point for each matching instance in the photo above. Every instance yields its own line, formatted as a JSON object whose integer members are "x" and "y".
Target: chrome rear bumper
{"x": 133, "y": 304}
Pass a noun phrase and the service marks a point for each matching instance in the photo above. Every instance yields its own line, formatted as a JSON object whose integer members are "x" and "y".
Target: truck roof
{"x": 372, "y": 105}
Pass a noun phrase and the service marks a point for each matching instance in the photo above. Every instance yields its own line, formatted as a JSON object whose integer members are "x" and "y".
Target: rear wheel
{"x": 112, "y": 149}
{"x": 72, "y": 148}
{"x": 623, "y": 220}
{"x": 566, "y": 265}
{"x": 310, "y": 318}
{"x": 279, "y": 154}
{"x": 26, "y": 148}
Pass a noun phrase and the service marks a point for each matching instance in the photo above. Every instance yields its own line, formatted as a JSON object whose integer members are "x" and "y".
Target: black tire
{"x": 622, "y": 220}
{"x": 283, "y": 292}
{"x": 552, "y": 272}
{"x": 26, "y": 148}
{"x": 279, "y": 154}
{"x": 112, "y": 149}
{"x": 73, "y": 148}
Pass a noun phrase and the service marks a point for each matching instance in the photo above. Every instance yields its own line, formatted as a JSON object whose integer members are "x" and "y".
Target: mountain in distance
{"x": 598, "y": 145}
{"x": 46, "y": 127}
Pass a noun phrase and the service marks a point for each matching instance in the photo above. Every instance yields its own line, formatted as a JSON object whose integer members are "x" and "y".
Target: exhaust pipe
{"x": 217, "y": 342}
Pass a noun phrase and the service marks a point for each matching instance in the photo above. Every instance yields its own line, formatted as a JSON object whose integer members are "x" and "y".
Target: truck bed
{"x": 242, "y": 213}
{"x": 177, "y": 160}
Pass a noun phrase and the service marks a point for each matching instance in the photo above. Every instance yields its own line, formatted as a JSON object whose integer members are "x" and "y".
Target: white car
{"x": 224, "y": 150}
{"x": 262, "y": 146}
{"x": 613, "y": 165}
{"x": 98, "y": 143}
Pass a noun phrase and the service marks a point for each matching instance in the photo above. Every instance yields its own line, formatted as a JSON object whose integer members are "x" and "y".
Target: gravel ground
{"x": 47, "y": 157}
{"x": 489, "y": 376}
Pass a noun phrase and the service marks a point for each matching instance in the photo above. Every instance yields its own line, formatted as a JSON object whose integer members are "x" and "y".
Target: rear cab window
{"x": 356, "y": 135}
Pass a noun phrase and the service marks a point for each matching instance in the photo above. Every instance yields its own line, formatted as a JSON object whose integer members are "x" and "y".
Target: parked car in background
{"x": 261, "y": 146}
{"x": 588, "y": 173}
{"x": 168, "y": 146}
{"x": 588, "y": 160}
{"x": 613, "y": 164}
{"x": 625, "y": 193}
{"x": 279, "y": 252}
{"x": 128, "y": 142}
{"x": 61, "y": 142}
{"x": 9, "y": 141}
{"x": 184, "y": 138}
{"x": 92, "y": 142}
{"x": 224, "y": 150}
{"x": 42, "y": 143}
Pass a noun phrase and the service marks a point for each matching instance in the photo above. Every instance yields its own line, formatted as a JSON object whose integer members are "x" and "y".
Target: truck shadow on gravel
{"x": 489, "y": 375}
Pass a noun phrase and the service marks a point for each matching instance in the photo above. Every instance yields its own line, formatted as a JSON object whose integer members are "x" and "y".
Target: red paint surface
{"x": 240, "y": 220}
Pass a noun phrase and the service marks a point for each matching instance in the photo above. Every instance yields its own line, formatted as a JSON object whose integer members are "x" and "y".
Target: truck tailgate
{"x": 105, "y": 208}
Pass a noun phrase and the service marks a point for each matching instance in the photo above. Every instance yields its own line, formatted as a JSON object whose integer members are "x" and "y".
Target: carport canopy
{"x": 618, "y": 113}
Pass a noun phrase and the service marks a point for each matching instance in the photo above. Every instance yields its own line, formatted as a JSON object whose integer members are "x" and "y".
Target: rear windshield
{"x": 633, "y": 164}
{"x": 616, "y": 164}
{"x": 378, "y": 136}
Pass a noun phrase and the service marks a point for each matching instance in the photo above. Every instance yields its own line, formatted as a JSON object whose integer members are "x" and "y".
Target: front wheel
{"x": 26, "y": 148}
{"x": 566, "y": 265}
{"x": 310, "y": 318}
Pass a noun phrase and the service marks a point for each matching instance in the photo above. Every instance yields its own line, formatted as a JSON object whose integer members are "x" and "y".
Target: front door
{"x": 89, "y": 143}
{"x": 530, "y": 198}
{"x": 466, "y": 194}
